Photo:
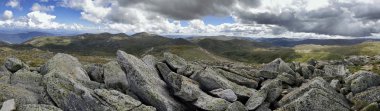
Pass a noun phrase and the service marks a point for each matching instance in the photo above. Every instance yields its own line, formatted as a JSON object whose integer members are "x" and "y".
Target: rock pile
{"x": 174, "y": 84}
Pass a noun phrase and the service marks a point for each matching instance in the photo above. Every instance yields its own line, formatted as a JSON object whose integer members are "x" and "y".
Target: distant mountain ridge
{"x": 22, "y": 37}
{"x": 289, "y": 42}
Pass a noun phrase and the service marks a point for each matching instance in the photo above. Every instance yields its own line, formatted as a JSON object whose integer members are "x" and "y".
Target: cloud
{"x": 13, "y": 4}
{"x": 40, "y": 17}
{"x": 44, "y": 0}
{"x": 38, "y": 7}
{"x": 92, "y": 10}
{"x": 345, "y": 18}
{"x": 151, "y": 15}
{"x": 37, "y": 20}
{"x": 322, "y": 18}
{"x": 7, "y": 15}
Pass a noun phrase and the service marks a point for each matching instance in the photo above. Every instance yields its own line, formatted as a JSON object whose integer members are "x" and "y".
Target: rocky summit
{"x": 171, "y": 83}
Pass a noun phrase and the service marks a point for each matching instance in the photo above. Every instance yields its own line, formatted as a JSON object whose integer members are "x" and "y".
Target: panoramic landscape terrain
{"x": 189, "y": 55}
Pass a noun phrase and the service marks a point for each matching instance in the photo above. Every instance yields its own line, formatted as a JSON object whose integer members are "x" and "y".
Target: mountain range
{"x": 212, "y": 48}
{"x": 16, "y": 38}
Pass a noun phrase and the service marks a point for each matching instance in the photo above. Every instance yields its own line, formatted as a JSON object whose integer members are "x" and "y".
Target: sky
{"x": 250, "y": 18}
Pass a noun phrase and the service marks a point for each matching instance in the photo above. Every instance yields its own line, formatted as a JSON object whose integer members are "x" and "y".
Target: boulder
{"x": 5, "y": 79}
{"x": 359, "y": 60}
{"x": 8, "y": 105}
{"x": 295, "y": 66}
{"x": 287, "y": 78}
{"x": 279, "y": 66}
{"x": 183, "y": 87}
{"x": 209, "y": 103}
{"x": 335, "y": 71}
{"x": 67, "y": 64}
{"x": 321, "y": 64}
{"x": 188, "y": 90}
{"x": 247, "y": 73}
{"x": 114, "y": 77}
{"x": 264, "y": 107}
{"x": 335, "y": 84}
{"x": 37, "y": 107}
{"x": 117, "y": 100}
{"x": 70, "y": 95}
{"x": 366, "y": 97}
{"x": 144, "y": 81}
{"x": 255, "y": 100}
{"x": 180, "y": 65}
{"x": 238, "y": 79}
{"x": 312, "y": 62}
{"x": 144, "y": 108}
{"x": 318, "y": 73}
{"x": 14, "y": 64}
{"x": 315, "y": 95}
{"x": 21, "y": 95}
{"x": 4, "y": 75}
{"x": 68, "y": 85}
{"x": 4, "y": 71}
{"x": 150, "y": 60}
{"x": 95, "y": 72}
{"x": 164, "y": 70}
{"x": 272, "y": 89}
{"x": 31, "y": 81}
{"x": 236, "y": 106}
{"x": 362, "y": 80}
{"x": 267, "y": 74}
{"x": 306, "y": 71}
{"x": 188, "y": 70}
{"x": 28, "y": 80}
{"x": 210, "y": 80}
{"x": 226, "y": 94}
{"x": 175, "y": 62}
{"x": 314, "y": 100}
{"x": 371, "y": 107}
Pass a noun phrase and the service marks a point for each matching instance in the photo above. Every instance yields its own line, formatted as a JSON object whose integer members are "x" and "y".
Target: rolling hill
{"x": 290, "y": 42}
{"x": 21, "y": 37}
{"x": 100, "y": 48}
{"x": 104, "y": 45}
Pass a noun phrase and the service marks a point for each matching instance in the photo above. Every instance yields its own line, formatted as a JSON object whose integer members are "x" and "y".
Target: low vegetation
{"x": 320, "y": 52}
{"x": 101, "y": 48}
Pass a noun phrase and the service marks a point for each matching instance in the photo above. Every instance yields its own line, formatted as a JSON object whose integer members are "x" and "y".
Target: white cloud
{"x": 92, "y": 10}
{"x": 7, "y": 15}
{"x": 38, "y": 20}
{"x": 38, "y": 7}
{"x": 40, "y": 17}
{"x": 138, "y": 17}
{"x": 13, "y": 4}
{"x": 263, "y": 18}
{"x": 44, "y": 0}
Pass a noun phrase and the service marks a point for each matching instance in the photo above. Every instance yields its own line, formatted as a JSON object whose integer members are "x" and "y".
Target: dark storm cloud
{"x": 189, "y": 9}
{"x": 346, "y": 19}
{"x": 354, "y": 18}
{"x": 366, "y": 11}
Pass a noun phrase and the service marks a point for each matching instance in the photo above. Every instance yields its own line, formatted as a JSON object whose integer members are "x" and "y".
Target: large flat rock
{"x": 362, "y": 80}
{"x": 67, "y": 64}
{"x": 21, "y": 95}
{"x": 366, "y": 97}
{"x": 313, "y": 96}
{"x": 114, "y": 77}
{"x": 144, "y": 83}
{"x": 210, "y": 80}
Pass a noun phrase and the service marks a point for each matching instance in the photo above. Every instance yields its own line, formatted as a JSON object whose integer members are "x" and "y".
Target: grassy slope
{"x": 246, "y": 51}
{"x": 319, "y": 52}
{"x": 101, "y": 49}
